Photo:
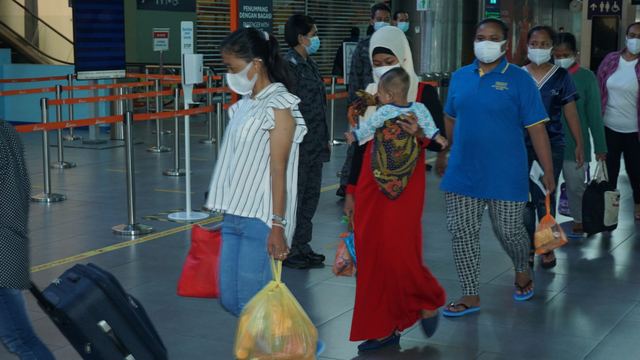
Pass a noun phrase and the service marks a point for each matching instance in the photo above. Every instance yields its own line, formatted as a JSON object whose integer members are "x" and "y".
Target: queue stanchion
{"x": 61, "y": 164}
{"x": 146, "y": 71}
{"x": 224, "y": 113}
{"x": 72, "y": 136}
{"x": 46, "y": 196}
{"x": 209, "y": 139}
{"x": 218, "y": 128}
{"x": 333, "y": 105}
{"x": 158, "y": 148}
{"x": 117, "y": 108}
{"x": 131, "y": 228}
{"x": 176, "y": 171}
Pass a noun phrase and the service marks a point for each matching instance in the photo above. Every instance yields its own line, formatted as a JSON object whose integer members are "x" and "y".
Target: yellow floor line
{"x": 196, "y": 159}
{"x": 143, "y": 239}
{"x": 199, "y": 135}
{"x": 330, "y": 246}
{"x": 173, "y": 191}
{"x": 120, "y": 246}
{"x": 116, "y": 170}
{"x": 330, "y": 187}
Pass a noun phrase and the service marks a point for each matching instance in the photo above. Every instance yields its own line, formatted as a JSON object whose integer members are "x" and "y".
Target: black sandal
{"x": 548, "y": 264}
{"x": 532, "y": 254}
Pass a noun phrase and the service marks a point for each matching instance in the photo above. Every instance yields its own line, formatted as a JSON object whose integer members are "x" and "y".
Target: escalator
{"x": 31, "y": 39}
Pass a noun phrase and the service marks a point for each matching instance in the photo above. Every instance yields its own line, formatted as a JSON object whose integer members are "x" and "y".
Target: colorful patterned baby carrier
{"x": 394, "y": 153}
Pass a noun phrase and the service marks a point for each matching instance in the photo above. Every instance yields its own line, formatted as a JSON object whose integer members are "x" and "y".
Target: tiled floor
{"x": 586, "y": 307}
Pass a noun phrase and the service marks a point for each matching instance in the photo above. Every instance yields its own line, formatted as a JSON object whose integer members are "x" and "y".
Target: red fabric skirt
{"x": 393, "y": 284}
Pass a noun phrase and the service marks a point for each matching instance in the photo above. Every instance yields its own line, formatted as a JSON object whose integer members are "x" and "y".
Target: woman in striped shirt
{"x": 255, "y": 179}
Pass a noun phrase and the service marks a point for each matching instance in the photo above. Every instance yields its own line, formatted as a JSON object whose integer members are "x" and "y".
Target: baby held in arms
{"x": 392, "y": 94}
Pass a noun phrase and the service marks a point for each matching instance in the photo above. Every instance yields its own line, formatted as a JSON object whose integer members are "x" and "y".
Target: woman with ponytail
{"x": 254, "y": 182}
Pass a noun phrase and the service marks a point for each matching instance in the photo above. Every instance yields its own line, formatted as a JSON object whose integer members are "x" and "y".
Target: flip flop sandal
{"x": 467, "y": 310}
{"x": 547, "y": 265}
{"x": 573, "y": 234}
{"x": 320, "y": 349}
{"x": 523, "y": 296}
{"x": 532, "y": 257}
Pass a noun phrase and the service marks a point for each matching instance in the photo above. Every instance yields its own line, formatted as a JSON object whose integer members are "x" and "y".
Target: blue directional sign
{"x": 604, "y": 8}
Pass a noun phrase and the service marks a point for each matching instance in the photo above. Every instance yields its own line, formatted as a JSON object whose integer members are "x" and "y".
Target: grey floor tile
{"x": 583, "y": 316}
{"x": 620, "y": 343}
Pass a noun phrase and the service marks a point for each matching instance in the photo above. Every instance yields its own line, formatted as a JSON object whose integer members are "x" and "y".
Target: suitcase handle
{"x": 44, "y": 303}
{"x": 104, "y": 326}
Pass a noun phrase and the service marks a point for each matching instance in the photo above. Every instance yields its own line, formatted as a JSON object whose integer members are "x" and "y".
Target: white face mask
{"x": 240, "y": 83}
{"x": 488, "y": 51}
{"x": 566, "y": 63}
{"x": 379, "y": 71}
{"x": 633, "y": 45}
{"x": 540, "y": 56}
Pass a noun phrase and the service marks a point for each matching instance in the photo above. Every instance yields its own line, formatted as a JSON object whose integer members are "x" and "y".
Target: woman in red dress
{"x": 394, "y": 287}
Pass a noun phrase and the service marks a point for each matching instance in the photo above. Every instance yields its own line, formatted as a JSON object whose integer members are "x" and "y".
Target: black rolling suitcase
{"x": 98, "y": 317}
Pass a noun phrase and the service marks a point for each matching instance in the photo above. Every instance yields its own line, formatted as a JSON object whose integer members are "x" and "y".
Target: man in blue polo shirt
{"x": 490, "y": 105}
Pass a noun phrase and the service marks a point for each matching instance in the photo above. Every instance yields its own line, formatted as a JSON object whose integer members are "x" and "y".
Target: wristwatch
{"x": 280, "y": 219}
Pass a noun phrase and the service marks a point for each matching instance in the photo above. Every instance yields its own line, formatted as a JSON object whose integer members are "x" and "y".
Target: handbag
{"x": 201, "y": 270}
{"x": 601, "y": 203}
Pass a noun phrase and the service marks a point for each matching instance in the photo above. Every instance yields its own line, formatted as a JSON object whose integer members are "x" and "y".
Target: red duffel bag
{"x": 200, "y": 274}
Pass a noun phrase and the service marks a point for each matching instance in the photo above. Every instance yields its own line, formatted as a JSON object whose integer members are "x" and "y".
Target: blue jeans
{"x": 244, "y": 261}
{"x": 537, "y": 204}
{"x": 15, "y": 327}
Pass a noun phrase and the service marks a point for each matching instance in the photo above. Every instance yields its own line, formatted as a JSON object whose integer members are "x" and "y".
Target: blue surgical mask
{"x": 404, "y": 26}
{"x": 379, "y": 25}
{"x": 315, "y": 45}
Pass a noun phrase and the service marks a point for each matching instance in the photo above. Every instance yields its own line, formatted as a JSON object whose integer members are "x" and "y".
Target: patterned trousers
{"x": 464, "y": 219}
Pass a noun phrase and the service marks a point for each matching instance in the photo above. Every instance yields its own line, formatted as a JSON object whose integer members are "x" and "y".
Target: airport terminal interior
{"x": 586, "y": 307}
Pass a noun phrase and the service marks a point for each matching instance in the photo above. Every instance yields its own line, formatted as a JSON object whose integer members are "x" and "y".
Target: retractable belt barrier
{"x": 109, "y": 120}
{"x": 48, "y": 78}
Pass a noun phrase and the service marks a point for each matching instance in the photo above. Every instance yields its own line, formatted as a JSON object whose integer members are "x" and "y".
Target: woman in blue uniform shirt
{"x": 558, "y": 94}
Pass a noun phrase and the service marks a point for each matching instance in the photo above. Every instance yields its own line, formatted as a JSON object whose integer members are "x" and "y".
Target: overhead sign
{"x": 167, "y": 5}
{"x": 424, "y": 5}
{"x": 604, "y": 8}
{"x": 257, "y": 14}
{"x": 98, "y": 29}
{"x": 160, "y": 39}
{"x": 186, "y": 37}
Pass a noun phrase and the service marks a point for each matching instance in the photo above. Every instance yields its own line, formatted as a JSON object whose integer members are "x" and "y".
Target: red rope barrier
{"x": 107, "y": 86}
{"x": 49, "y": 78}
{"x": 109, "y": 120}
{"x": 109, "y": 98}
{"x": 337, "y": 96}
{"x": 27, "y": 91}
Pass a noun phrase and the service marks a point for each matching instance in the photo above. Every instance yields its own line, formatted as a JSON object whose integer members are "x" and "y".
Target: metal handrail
{"x": 7, "y": 27}
{"x": 42, "y": 21}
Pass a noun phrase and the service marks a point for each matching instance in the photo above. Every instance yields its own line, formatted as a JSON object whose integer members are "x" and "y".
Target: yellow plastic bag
{"x": 549, "y": 235}
{"x": 273, "y": 325}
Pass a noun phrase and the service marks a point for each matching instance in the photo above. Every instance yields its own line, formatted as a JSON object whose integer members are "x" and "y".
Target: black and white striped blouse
{"x": 241, "y": 182}
{"x": 15, "y": 190}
